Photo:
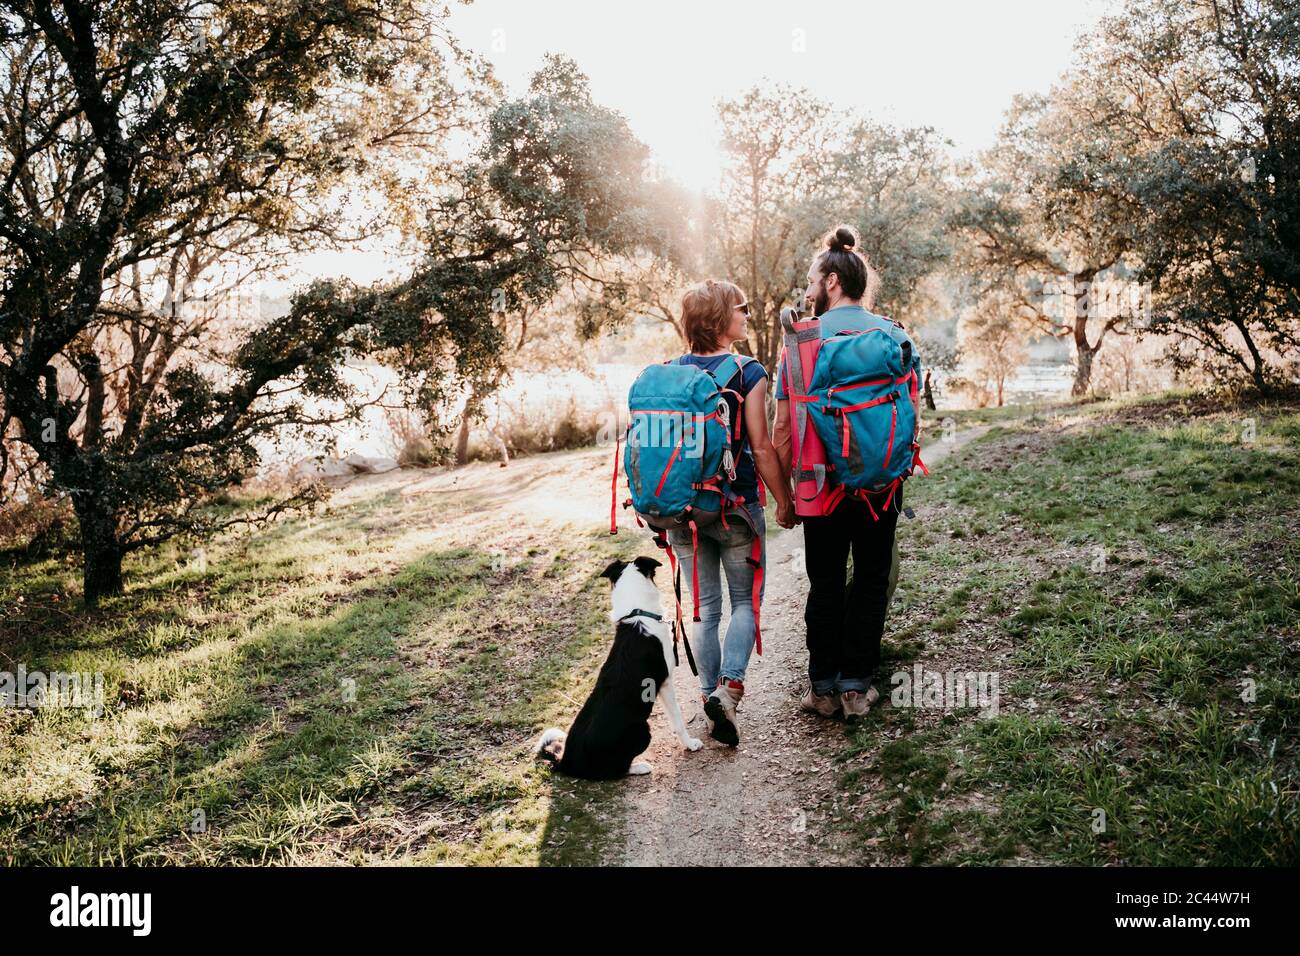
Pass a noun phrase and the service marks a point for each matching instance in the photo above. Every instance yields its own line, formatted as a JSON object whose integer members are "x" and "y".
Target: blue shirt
{"x": 746, "y": 483}
{"x": 846, "y": 318}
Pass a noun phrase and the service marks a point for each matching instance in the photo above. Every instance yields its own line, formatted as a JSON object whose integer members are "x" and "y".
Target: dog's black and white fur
{"x": 613, "y": 726}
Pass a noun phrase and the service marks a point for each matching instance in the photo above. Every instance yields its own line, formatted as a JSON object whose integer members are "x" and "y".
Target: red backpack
{"x": 814, "y": 496}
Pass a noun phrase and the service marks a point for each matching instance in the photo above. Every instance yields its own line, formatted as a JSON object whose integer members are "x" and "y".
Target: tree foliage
{"x": 1195, "y": 164}
{"x": 1166, "y": 158}
{"x": 162, "y": 139}
{"x": 1025, "y": 236}
{"x": 992, "y": 337}
{"x": 797, "y": 167}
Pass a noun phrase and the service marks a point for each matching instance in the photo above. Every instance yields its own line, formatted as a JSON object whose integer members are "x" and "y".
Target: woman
{"x": 714, "y": 315}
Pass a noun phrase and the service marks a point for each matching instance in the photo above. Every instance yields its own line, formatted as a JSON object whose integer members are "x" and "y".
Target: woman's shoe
{"x": 720, "y": 707}
{"x": 708, "y": 722}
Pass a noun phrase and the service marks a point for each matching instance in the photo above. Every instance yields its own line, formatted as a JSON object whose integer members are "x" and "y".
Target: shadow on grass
{"x": 394, "y": 727}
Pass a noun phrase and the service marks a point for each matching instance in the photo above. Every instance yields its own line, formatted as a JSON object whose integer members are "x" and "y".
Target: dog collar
{"x": 657, "y": 617}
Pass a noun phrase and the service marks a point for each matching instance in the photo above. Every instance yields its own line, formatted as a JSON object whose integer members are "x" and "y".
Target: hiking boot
{"x": 720, "y": 707}
{"x": 857, "y": 703}
{"x": 822, "y": 705}
{"x": 707, "y": 722}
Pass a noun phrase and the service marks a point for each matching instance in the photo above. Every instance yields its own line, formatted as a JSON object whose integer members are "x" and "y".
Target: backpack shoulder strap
{"x": 793, "y": 360}
{"x": 724, "y": 377}
{"x": 794, "y": 377}
{"x": 731, "y": 366}
{"x": 742, "y": 363}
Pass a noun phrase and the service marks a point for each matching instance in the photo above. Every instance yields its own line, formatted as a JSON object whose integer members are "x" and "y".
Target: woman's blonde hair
{"x": 706, "y": 313}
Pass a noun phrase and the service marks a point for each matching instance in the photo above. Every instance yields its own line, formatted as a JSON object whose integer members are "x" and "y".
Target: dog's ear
{"x": 647, "y": 566}
{"x": 614, "y": 570}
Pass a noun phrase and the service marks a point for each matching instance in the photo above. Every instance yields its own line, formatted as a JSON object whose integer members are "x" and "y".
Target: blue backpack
{"x": 683, "y": 439}
{"x": 862, "y": 402}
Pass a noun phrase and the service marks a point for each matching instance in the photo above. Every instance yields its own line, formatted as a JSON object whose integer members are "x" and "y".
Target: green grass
{"x": 359, "y": 687}
{"x": 364, "y": 686}
{"x": 1131, "y": 574}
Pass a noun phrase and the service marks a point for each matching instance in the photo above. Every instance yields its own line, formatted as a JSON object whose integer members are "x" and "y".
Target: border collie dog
{"x": 613, "y": 727}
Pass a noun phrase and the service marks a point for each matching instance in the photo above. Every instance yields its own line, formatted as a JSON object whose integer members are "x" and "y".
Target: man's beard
{"x": 822, "y": 302}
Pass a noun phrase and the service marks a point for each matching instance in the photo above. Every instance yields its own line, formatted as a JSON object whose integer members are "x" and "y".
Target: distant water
{"x": 542, "y": 394}
{"x": 531, "y": 395}
{"x": 1033, "y": 382}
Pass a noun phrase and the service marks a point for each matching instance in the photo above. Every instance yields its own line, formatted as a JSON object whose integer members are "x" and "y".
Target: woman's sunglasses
{"x": 744, "y": 307}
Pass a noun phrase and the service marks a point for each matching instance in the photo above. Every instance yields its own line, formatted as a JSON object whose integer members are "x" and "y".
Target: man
{"x": 845, "y": 620}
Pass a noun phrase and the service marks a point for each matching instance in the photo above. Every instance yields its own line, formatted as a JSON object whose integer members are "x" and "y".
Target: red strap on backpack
{"x": 893, "y": 429}
{"x": 613, "y": 491}
{"x": 661, "y": 540}
{"x": 695, "y": 570}
{"x": 668, "y": 467}
{"x": 756, "y": 597}
{"x": 672, "y": 566}
{"x": 916, "y": 457}
{"x": 890, "y": 497}
{"x": 740, "y": 408}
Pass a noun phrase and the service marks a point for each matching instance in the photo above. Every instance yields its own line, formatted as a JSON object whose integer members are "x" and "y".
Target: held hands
{"x": 785, "y": 515}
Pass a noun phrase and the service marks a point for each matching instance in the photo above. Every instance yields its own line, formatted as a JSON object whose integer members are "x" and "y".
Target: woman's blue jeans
{"x": 722, "y": 550}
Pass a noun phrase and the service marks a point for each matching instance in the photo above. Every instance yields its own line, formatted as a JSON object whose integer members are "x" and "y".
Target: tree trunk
{"x": 1257, "y": 370}
{"x": 101, "y": 552}
{"x": 1083, "y": 352}
{"x": 467, "y": 417}
{"x": 929, "y": 393}
{"x": 462, "y": 441}
{"x": 1083, "y": 356}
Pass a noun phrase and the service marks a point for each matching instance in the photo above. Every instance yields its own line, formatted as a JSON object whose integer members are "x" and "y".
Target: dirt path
{"x": 770, "y": 801}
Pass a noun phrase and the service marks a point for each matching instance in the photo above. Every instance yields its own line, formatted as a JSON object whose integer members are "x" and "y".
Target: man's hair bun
{"x": 842, "y": 239}
{"x": 841, "y": 258}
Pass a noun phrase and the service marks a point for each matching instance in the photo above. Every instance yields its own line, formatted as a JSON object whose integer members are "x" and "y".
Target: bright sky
{"x": 950, "y": 64}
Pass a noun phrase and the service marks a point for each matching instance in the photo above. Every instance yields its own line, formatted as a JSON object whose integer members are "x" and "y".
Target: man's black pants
{"x": 846, "y": 619}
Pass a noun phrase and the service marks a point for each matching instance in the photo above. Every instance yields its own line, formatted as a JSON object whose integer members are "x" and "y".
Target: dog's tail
{"x": 551, "y": 747}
